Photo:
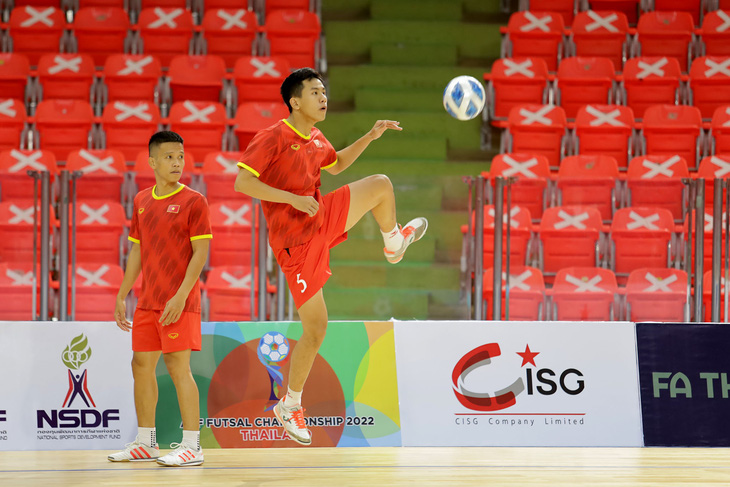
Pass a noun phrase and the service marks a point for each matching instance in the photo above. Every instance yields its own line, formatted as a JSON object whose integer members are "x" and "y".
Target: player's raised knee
{"x": 382, "y": 183}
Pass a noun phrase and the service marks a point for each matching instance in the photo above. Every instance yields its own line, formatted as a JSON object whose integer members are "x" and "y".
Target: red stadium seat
{"x": 707, "y": 284}
{"x": 254, "y": 116}
{"x": 294, "y": 35}
{"x": 13, "y": 118}
{"x": 650, "y": 81}
{"x": 198, "y": 78}
{"x": 640, "y": 237}
{"x": 582, "y": 81}
{"x": 584, "y": 294}
{"x": 520, "y": 235}
{"x": 128, "y": 125}
{"x": 532, "y": 173}
{"x": 231, "y": 224}
{"x": 606, "y": 130}
{"x": 720, "y": 130}
{"x": 230, "y": 33}
{"x": 132, "y": 77}
{"x": 144, "y": 176}
{"x": 100, "y": 226}
{"x": 219, "y": 175}
{"x": 272, "y": 5}
{"x": 16, "y": 288}
{"x": 515, "y": 81}
{"x": 64, "y": 126}
{"x": 656, "y": 181}
{"x": 166, "y": 32}
{"x": 101, "y": 31}
{"x": 15, "y": 185}
{"x": 97, "y": 286}
{"x": 709, "y": 83}
{"x": 589, "y": 180}
{"x": 534, "y": 34}
{"x": 569, "y": 236}
{"x": 711, "y": 168}
{"x": 566, "y": 8}
{"x": 228, "y": 289}
{"x": 630, "y": 8}
{"x": 14, "y": 75}
{"x": 692, "y": 7}
{"x": 601, "y": 33}
{"x": 674, "y": 129}
{"x": 103, "y": 174}
{"x": 201, "y": 124}
{"x": 526, "y": 294}
{"x": 666, "y": 34}
{"x": 66, "y": 76}
{"x": 260, "y": 78}
{"x": 537, "y": 129}
{"x": 656, "y": 294}
{"x": 16, "y": 231}
{"x": 715, "y": 33}
{"x": 169, "y": 4}
{"x": 36, "y": 30}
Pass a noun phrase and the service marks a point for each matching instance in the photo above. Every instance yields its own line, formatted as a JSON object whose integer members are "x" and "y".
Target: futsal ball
{"x": 464, "y": 97}
{"x": 274, "y": 346}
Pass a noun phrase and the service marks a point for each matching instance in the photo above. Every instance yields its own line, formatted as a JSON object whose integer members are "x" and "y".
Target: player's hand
{"x": 173, "y": 310}
{"x": 381, "y": 126}
{"x": 120, "y": 315}
{"x": 307, "y": 204}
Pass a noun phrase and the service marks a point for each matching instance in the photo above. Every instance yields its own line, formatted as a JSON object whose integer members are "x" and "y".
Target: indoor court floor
{"x": 381, "y": 467}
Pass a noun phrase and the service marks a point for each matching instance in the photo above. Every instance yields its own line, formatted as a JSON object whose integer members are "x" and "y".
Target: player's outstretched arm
{"x": 174, "y": 307}
{"x": 134, "y": 266}
{"x": 248, "y": 183}
{"x": 348, "y": 155}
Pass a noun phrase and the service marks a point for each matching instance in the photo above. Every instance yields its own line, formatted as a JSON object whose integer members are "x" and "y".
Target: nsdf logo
{"x": 533, "y": 381}
{"x": 85, "y": 414}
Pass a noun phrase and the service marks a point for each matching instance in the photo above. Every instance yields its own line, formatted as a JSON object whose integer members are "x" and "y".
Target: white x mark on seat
{"x": 197, "y": 115}
{"x": 42, "y": 16}
{"x": 20, "y": 278}
{"x": 140, "y": 111}
{"x": 723, "y": 166}
{"x": 229, "y": 165}
{"x": 535, "y": 23}
{"x": 136, "y": 67}
{"x": 167, "y": 19}
{"x": 726, "y": 21}
{"x": 93, "y": 278}
{"x": 568, "y": 220}
{"x": 714, "y": 67}
{"x": 642, "y": 222}
{"x": 237, "y": 282}
{"x": 659, "y": 168}
{"x": 236, "y": 216}
{"x": 709, "y": 220}
{"x": 605, "y": 22}
{"x": 232, "y": 20}
{"x": 512, "y": 221}
{"x": 94, "y": 216}
{"x": 538, "y": 116}
{"x": 583, "y": 285}
{"x": 523, "y": 68}
{"x": 265, "y": 68}
{"x": 516, "y": 167}
{"x": 62, "y": 64}
{"x": 658, "y": 284}
{"x": 603, "y": 118}
{"x": 21, "y": 215}
{"x": 652, "y": 68}
{"x": 96, "y": 164}
{"x": 518, "y": 281}
{"x": 31, "y": 160}
{"x": 727, "y": 122}
{"x": 7, "y": 108}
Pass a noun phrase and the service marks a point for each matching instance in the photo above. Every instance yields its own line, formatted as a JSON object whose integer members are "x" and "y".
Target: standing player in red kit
{"x": 281, "y": 167}
{"x": 170, "y": 237}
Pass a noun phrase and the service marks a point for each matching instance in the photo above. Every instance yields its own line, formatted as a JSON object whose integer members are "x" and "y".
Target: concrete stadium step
{"x": 404, "y": 99}
{"x": 404, "y": 275}
{"x": 414, "y": 54}
{"x": 370, "y": 249}
{"x": 415, "y": 10}
{"x": 375, "y": 304}
{"x": 353, "y": 9}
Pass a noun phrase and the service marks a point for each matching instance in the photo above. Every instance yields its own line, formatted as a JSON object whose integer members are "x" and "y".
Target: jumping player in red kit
{"x": 281, "y": 167}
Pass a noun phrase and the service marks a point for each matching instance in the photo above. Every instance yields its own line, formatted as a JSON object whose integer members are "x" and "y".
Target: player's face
{"x": 313, "y": 102}
{"x": 168, "y": 160}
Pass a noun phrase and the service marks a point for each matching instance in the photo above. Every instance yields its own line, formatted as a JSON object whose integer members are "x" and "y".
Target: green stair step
{"x": 404, "y": 275}
{"x": 415, "y": 10}
{"x": 375, "y": 304}
{"x": 370, "y": 249}
{"x": 400, "y": 99}
{"x": 400, "y": 54}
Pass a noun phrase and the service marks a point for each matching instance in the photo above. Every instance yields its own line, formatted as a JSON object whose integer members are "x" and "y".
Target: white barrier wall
{"x": 518, "y": 384}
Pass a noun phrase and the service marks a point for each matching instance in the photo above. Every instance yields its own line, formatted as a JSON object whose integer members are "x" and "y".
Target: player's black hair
{"x": 293, "y": 84}
{"x": 161, "y": 137}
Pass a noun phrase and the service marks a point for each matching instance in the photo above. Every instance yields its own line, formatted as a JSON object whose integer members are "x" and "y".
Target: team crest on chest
{"x": 173, "y": 209}
{"x": 295, "y": 146}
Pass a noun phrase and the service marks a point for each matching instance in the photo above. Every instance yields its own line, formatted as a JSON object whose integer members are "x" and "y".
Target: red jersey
{"x": 286, "y": 159}
{"x": 164, "y": 226}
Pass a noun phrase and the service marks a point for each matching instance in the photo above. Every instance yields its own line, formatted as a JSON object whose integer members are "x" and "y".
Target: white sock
{"x": 393, "y": 239}
{"x": 292, "y": 399}
{"x": 191, "y": 439}
{"x": 147, "y": 436}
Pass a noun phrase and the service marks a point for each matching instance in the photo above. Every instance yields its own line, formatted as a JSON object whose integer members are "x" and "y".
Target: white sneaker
{"x": 136, "y": 452}
{"x": 182, "y": 456}
{"x": 412, "y": 232}
{"x": 293, "y": 422}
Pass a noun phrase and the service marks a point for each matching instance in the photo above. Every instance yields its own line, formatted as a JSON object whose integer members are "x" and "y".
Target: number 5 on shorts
{"x": 302, "y": 282}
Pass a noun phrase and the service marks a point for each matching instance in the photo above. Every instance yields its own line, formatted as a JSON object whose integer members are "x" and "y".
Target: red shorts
{"x": 307, "y": 266}
{"x": 148, "y": 335}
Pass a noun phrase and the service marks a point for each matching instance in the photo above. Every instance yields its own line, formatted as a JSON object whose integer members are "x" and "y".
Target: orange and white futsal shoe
{"x": 182, "y": 456}
{"x": 136, "y": 452}
{"x": 412, "y": 232}
{"x": 293, "y": 422}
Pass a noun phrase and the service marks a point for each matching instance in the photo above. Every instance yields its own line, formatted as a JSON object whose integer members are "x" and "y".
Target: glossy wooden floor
{"x": 380, "y": 467}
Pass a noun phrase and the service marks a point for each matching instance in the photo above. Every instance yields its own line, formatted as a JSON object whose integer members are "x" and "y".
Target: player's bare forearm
{"x": 348, "y": 155}
{"x": 134, "y": 267}
{"x": 195, "y": 266}
{"x": 249, "y": 184}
